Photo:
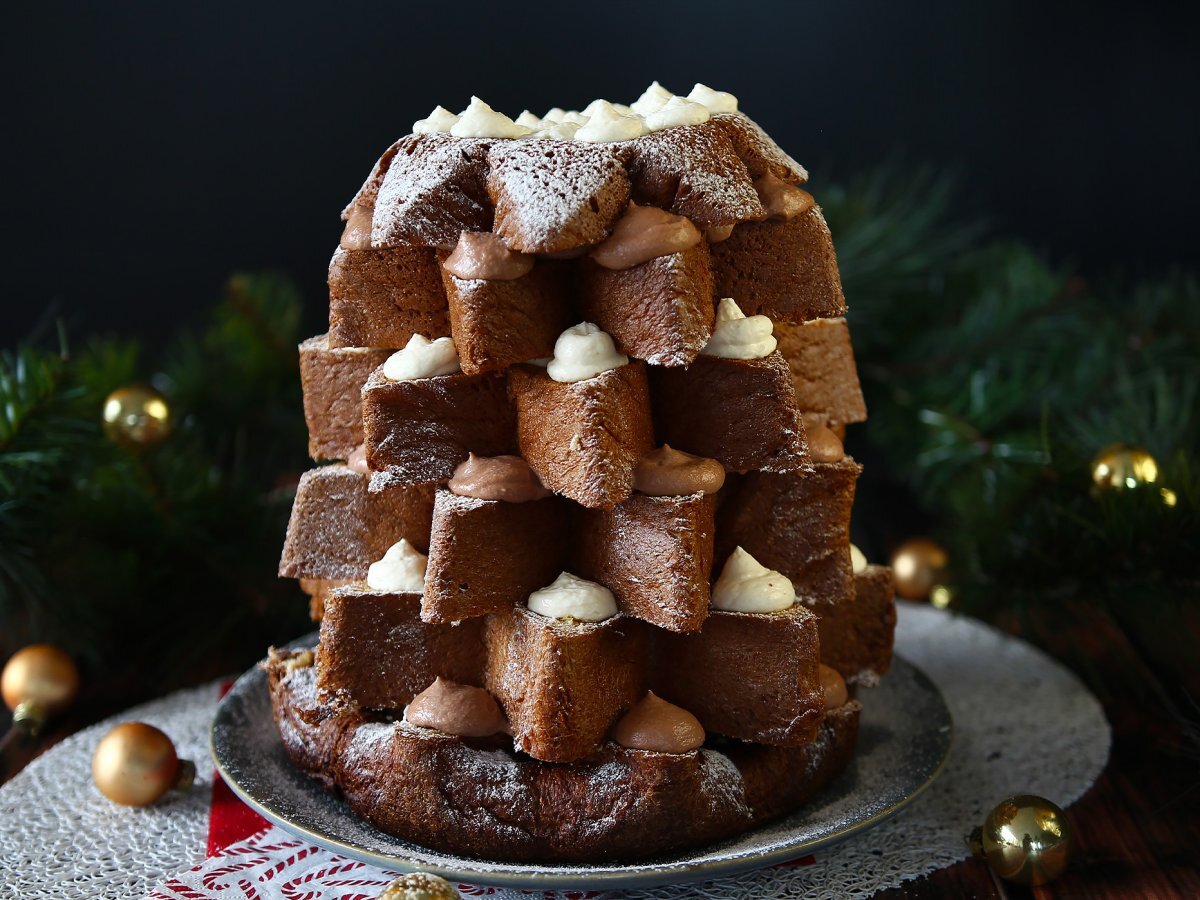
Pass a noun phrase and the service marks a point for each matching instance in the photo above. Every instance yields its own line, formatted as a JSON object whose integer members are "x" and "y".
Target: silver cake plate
{"x": 904, "y": 739}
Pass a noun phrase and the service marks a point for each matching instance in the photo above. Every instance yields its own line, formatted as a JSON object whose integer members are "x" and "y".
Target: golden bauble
{"x": 1026, "y": 840}
{"x": 918, "y": 564}
{"x": 420, "y": 886}
{"x": 39, "y": 681}
{"x": 137, "y": 416}
{"x": 135, "y": 764}
{"x": 1123, "y": 467}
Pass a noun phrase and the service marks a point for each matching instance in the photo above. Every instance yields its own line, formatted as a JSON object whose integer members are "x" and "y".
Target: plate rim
{"x": 557, "y": 876}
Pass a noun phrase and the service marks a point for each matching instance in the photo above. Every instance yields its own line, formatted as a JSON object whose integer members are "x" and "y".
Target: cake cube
{"x": 375, "y": 650}
{"x": 435, "y": 188}
{"x": 497, "y": 323}
{"x": 338, "y": 528}
{"x": 332, "y": 379}
{"x": 418, "y": 431}
{"x": 824, "y": 376}
{"x": 797, "y": 524}
{"x": 758, "y": 151}
{"x": 382, "y": 297}
{"x": 555, "y": 196}
{"x": 751, "y": 676}
{"x": 694, "y": 172}
{"x": 584, "y": 438}
{"x": 782, "y": 268}
{"x": 654, "y": 553}
{"x": 489, "y": 555}
{"x": 856, "y": 637}
{"x": 739, "y": 411}
{"x": 563, "y": 683}
{"x": 660, "y": 310}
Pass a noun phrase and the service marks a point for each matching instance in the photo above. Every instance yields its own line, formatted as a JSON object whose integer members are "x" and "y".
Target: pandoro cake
{"x": 580, "y": 554}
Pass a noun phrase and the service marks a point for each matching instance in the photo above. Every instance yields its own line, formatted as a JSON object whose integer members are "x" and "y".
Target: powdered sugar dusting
{"x": 552, "y": 196}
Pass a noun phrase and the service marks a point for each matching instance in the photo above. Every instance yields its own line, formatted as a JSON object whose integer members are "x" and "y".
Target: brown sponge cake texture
{"x": 338, "y": 528}
{"x": 490, "y": 555}
{"x": 419, "y": 431}
{"x": 375, "y": 650}
{"x": 382, "y": 297}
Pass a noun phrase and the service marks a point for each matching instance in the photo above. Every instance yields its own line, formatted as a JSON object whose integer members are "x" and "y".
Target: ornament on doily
{"x": 1026, "y": 839}
{"x": 137, "y": 416}
{"x": 918, "y": 565}
{"x": 420, "y": 886}
{"x": 1123, "y": 467}
{"x": 38, "y": 682}
{"x": 135, "y": 764}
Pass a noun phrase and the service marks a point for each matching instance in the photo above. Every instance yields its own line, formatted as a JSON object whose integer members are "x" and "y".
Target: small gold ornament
{"x": 420, "y": 886}
{"x": 1123, "y": 467}
{"x": 135, "y": 764}
{"x": 38, "y": 682}
{"x": 137, "y": 416}
{"x": 1026, "y": 840}
{"x": 918, "y": 565}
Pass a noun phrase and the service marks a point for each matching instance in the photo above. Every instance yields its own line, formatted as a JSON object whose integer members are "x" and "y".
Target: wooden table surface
{"x": 1137, "y": 829}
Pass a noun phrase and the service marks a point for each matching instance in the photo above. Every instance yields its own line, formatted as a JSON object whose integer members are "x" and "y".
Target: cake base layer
{"x": 478, "y": 797}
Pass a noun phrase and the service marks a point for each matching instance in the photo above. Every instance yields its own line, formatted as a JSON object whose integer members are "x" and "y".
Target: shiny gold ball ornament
{"x": 38, "y": 682}
{"x": 420, "y": 886}
{"x": 1026, "y": 840}
{"x": 135, "y": 764}
{"x": 137, "y": 416}
{"x": 918, "y": 564}
{"x": 1123, "y": 467}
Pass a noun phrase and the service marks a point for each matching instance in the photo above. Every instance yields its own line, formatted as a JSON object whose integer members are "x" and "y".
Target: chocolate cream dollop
{"x": 782, "y": 200}
{"x": 357, "y": 233}
{"x": 654, "y": 724}
{"x": 667, "y": 472}
{"x": 483, "y": 255}
{"x": 507, "y": 478}
{"x": 457, "y": 709}
{"x": 833, "y": 685}
{"x": 823, "y": 444}
{"x": 644, "y": 233}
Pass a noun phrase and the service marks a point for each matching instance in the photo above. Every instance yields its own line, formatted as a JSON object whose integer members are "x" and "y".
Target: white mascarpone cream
{"x": 746, "y": 585}
{"x": 440, "y": 121}
{"x": 714, "y": 101}
{"x": 422, "y": 358}
{"x": 583, "y": 351}
{"x": 554, "y": 114}
{"x": 858, "y": 560}
{"x": 738, "y": 336}
{"x": 677, "y": 111}
{"x": 571, "y": 597}
{"x": 653, "y": 99}
{"x": 401, "y": 571}
{"x": 557, "y": 131}
{"x": 606, "y": 124}
{"x": 481, "y": 121}
{"x": 529, "y": 120}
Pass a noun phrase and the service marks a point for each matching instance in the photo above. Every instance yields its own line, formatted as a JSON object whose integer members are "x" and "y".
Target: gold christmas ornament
{"x": 137, "y": 416}
{"x": 918, "y": 564}
{"x": 38, "y": 682}
{"x": 1123, "y": 467}
{"x": 135, "y": 764}
{"x": 1026, "y": 840}
{"x": 420, "y": 886}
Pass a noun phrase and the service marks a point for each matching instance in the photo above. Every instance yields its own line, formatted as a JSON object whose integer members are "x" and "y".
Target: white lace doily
{"x": 59, "y": 838}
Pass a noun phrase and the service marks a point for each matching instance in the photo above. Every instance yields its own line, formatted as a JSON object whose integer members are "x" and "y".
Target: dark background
{"x": 151, "y": 149}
